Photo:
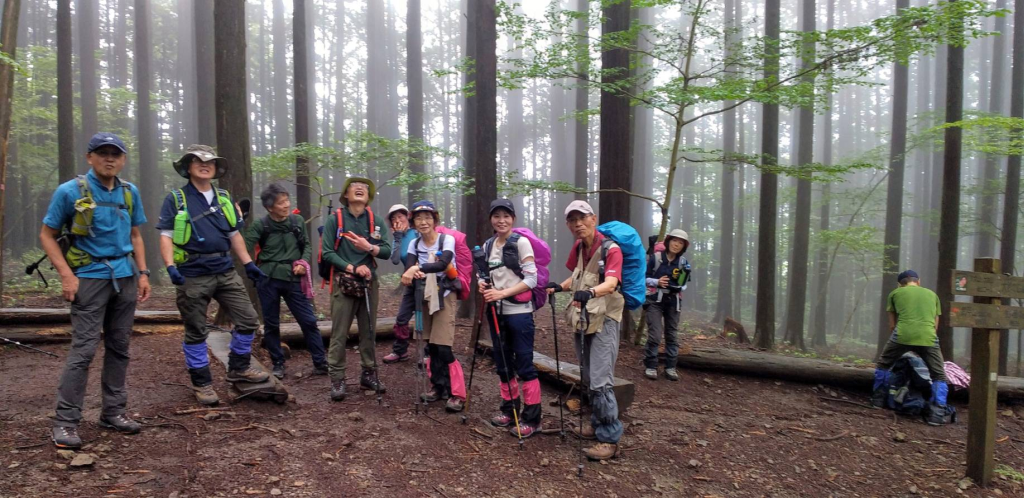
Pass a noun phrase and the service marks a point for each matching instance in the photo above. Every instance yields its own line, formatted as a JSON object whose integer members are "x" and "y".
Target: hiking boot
{"x": 501, "y": 419}
{"x": 205, "y": 395}
{"x": 66, "y": 438}
{"x": 432, "y": 395}
{"x": 121, "y": 423}
{"x": 525, "y": 429}
{"x": 878, "y": 399}
{"x": 937, "y": 416}
{"x": 320, "y": 369}
{"x": 651, "y": 373}
{"x": 602, "y": 451}
{"x": 395, "y": 358}
{"x": 278, "y": 371}
{"x": 671, "y": 374}
{"x": 370, "y": 382}
{"x": 251, "y": 375}
{"x": 454, "y": 405}
{"x": 586, "y": 433}
{"x": 338, "y": 390}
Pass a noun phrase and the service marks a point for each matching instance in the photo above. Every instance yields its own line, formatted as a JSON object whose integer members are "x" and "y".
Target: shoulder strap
{"x": 83, "y": 187}
{"x": 369, "y": 228}
{"x": 297, "y": 233}
{"x": 511, "y": 249}
{"x": 179, "y": 199}
{"x": 488, "y": 245}
{"x": 129, "y": 199}
{"x": 264, "y": 230}
{"x": 658, "y": 256}
{"x": 341, "y": 225}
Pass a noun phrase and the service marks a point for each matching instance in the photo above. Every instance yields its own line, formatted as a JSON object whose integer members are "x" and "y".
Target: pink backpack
{"x": 463, "y": 260}
{"x": 541, "y": 256}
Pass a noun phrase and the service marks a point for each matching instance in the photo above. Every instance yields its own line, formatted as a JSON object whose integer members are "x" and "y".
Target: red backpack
{"x": 463, "y": 260}
{"x": 326, "y": 269}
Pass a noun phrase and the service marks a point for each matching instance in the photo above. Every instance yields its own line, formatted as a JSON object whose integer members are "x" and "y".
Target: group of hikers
{"x": 91, "y": 235}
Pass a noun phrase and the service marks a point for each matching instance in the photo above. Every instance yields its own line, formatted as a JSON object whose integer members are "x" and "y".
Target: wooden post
{"x": 981, "y": 426}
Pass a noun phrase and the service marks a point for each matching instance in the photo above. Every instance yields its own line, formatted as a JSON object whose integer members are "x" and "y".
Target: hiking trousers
{"x": 517, "y": 335}
{"x": 97, "y": 311}
{"x": 598, "y": 353}
{"x": 662, "y": 320}
{"x": 406, "y": 309}
{"x": 931, "y": 355}
{"x": 344, "y": 309}
{"x": 271, "y": 291}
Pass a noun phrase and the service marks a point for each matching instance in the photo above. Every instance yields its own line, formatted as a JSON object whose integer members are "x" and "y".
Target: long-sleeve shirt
{"x": 347, "y": 254}
{"x": 281, "y": 249}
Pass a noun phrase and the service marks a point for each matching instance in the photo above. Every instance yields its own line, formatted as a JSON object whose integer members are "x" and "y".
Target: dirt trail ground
{"x": 707, "y": 435}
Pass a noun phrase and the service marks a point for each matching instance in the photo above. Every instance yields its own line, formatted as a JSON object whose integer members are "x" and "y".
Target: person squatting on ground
{"x": 913, "y": 318}
{"x": 513, "y": 276}
{"x": 101, "y": 215}
{"x": 596, "y": 265}
{"x": 199, "y": 227}
{"x": 430, "y": 262}
{"x": 398, "y": 216}
{"x": 357, "y": 240}
{"x": 284, "y": 256}
{"x": 667, "y": 271}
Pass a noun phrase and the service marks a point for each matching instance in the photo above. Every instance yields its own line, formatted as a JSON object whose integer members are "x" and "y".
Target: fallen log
{"x": 806, "y": 370}
{"x": 23, "y": 316}
{"x": 292, "y": 334}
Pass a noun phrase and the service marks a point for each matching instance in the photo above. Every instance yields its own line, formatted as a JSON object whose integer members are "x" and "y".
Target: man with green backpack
{"x": 199, "y": 227}
{"x": 90, "y": 230}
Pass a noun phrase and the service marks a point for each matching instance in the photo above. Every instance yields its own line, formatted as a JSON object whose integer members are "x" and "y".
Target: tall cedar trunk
{"x": 921, "y": 203}
{"x": 949, "y": 229}
{"x": 615, "y": 167}
{"x": 280, "y": 65}
{"x": 987, "y": 209}
{"x": 8, "y": 44}
{"x": 1011, "y": 200}
{"x": 339, "y": 65}
{"x": 231, "y": 98}
{"x": 935, "y": 189}
{"x": 206, "y": 68}
{"x": 643, "y": 126}
{"x": 724, "y": 305}
{"x": 376, "y": 78}
{"x": 797, "y": 303}
{"x": 65, "y": 95}
{"x": 581, "y": 139}
{"x": 740, "y": 252}
{"x": 480, "y": 137}
{"x": 414, "y": 76}
{"x": 187, "y": 67}
{"x": 149, "y": 174}
{"x": 85, "y": 11}
{"x": 764, "y": 313}
{"x": 818, "y": 320}
{"x": 894, "y": 192}
{"x": 301, "y": 60}
{"x": 514, "y": 130}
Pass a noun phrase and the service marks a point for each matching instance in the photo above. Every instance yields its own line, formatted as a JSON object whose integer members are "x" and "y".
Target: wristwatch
{"x": 144, "y": 272}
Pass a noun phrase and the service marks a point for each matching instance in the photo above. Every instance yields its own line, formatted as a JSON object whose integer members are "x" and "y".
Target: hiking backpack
{"x": 541, "y": 257}
{"x": 683, "y": 266}
{"x": 81, "y": 221}
{"x": 633, "y": 284}
{"x": 295, "y": 229}
{"x": 463, "y": 258}
{"x": 326, "y": 270}
{"x": 910, "y": 389}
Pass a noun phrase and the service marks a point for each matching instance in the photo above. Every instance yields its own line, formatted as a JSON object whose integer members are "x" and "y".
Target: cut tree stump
{"x": 270, "y": 389}
{"x": 23, "y": 316}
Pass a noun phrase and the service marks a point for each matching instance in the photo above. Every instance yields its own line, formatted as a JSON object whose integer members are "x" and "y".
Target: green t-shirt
{"x": 916, "y": 309}
{"x": 282, "y": 248}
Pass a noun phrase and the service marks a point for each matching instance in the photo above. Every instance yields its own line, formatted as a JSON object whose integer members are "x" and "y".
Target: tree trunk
{"x": 934, "y": 192}
{"x": 894, "y": 192}
{"x": 280, "y": 75}
{"x": 232, "y": 98}
{"x": 819, "y": 325}
{"x": 187, "y": 72}
{"x": 1011, "y": 200}
{"x": 339, "y": 74}
{"x": 207, "y": 129}
{"x": 65, "y": 95}
{"x": 987, "y": 208}
{"x": 85, "y": 11}
{"x": 724, "y": 305}
{"x": 301, "y": 60}
{"x": 950, "y": 213}
{"x": 8, "y": 44}
{"x": 616, "y": 169}
{"x": 414, "y": 76}
{"x": 149, "y": 173}
{"x": 768, "y": 205}
{"x": 581, "y": 138}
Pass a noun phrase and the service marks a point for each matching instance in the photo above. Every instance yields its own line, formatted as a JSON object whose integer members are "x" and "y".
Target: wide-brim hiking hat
{"x": 203, "y": 153}
{"x": 425, "y": 207}
{"x": 502, "y": 204}
{"x": 681, "y": 235}
{"x": 371, "y": 193}
{"x": 397, "y": 208}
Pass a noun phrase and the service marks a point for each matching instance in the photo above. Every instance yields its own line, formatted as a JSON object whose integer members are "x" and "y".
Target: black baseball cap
{"x": 503, "y": 204}
{"x": 103, "y": 138}
{"x": 906, "y": 274}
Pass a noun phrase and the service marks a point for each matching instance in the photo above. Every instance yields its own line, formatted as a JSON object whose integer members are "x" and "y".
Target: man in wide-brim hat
{"x": 204, "y": 153}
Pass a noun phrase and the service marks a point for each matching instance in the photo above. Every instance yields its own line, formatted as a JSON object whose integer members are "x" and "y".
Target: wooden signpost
{"x": 986, "y": 318}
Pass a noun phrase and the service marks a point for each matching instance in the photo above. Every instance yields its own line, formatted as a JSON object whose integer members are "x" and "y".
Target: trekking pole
{"x": 581, "y": 327}
{"x": 472, "y": 364}
{"x": 509, "y": 373}
{"x": 373, "y": 320}
{"x": 34, "y": 267}
{"x": 421, "y": 366}
{"x": 16, "y": 343}
{"x": 558, "y": 369}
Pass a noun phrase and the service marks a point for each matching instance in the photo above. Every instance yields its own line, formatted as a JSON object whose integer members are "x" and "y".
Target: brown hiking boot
{"x": 454, "y": 404}
{"x": 587, "y": 433}
{"x": 251, "y": 375}
{"x": 602, "y": 451}
{"x": 206, "y": 395}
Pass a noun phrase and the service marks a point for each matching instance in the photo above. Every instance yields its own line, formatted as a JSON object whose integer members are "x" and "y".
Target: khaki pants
{"x": 439, "y": 328}
{"x": 343, "y": 309}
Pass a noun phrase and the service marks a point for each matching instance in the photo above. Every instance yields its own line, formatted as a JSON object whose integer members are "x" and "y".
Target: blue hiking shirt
{"x": 209, "y": 233}
{"x": 111, "y": 226}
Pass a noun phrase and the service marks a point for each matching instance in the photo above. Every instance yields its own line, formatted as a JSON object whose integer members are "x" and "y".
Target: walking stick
{"x": 372, "y": 320}
{"x": 16, "y": 343}
{"x": 472, "y": 364}
{"x": 558, "y": 369}
{"x": 418, "y": 296}
{"x": 581, "y": 328}
{"x": 509, "y": 373}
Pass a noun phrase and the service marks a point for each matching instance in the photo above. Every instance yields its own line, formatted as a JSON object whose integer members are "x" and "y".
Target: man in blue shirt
{"x": 102, "y": 214}
{"x": 199, "y": 227}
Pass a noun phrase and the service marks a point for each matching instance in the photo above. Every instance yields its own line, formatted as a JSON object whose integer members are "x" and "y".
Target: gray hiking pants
{"x": 97, "y": 311}
{"x": 662, "y": 319}
{"x": 597, "y": 368}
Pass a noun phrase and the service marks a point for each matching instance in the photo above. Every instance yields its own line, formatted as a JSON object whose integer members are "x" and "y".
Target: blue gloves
{"x": 253, "y": 272}
{"x": 176, "y": 278}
